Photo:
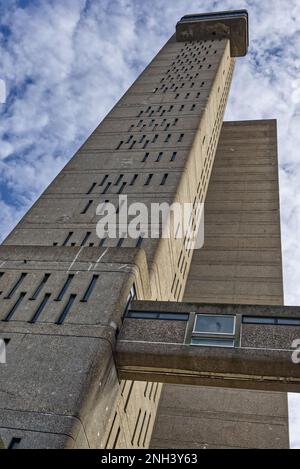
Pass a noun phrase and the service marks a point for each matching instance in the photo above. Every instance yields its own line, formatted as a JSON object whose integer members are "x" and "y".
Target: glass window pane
{"x": 142, "y": 315}
{"x": 258, "y": 320}
{"x": 174, "y": 316}
{"x": 288, "y": 322}
{"x": 215, "y": 324}
{"x": 213, "y": 342}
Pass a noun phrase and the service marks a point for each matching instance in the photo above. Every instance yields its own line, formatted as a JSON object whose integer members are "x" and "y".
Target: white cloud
{"x": 66, "y": 64}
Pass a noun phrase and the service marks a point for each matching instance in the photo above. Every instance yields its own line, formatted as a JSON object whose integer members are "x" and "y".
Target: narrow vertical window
{"x": 139, "y": 242}
{"x": 85, "y": 239}
{"x": 122, "y": 188}
{"x": 154, "y": 138}
{"x": 120, "y": 242}
{"x": 163, "y": 181}
{"x": 92, "y": 188}
{"x": 66, "y": 309}
{"x": 119, "y": 145}
{"x": 159, "y": 156}
{"x": 142, "y": 138}
{"x": 15, "y": 286}
{"x": 119, "y": 179}
{"x": 129, "y": 139}
{"x": 167, "y": 138}
{"x": 103, "y": 180}
{"x": 64, "y": 288}
{"x": 133, "y": 180}
{"x": 146, "y": 156}
{"x": 14, "y": 308}
{"x": 86, "y": 207}
{"x": 173, "y": 157}
{"x": 40, "y": 287}
{"x": 132, "y": 145}
{"x": 106, "y": 188}
{"x": 89, "y": 289}
{"x": 148, "y": 180}
{"x": 180, "y": 138}
{"x": 40, "y": 308}
{"x": 102, "y": 241}
{"x": 175, "y": 121}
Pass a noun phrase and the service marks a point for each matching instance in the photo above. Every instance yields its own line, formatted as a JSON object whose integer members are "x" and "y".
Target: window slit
{"x": 119, "y": 179}
{"x": 66, "y": 309}
{"x": 64, "y": 288}
{"x": 89, "y": 289}
{"x": 173, "y": 157}
{"x": 83, "y": 242}
{"x": 146, "y": 156}
{"x": 163, "y": 181}
{"x": 40, "y": 287}
{"x": 122, "y": 188}
{"x": 14, "y": 308}
{"x": 106, "y": 188}
{"x": 133, "y": 179}
{"x": 148, "y": 180}
{"x": 86, "y": 207}
{"x": 159, "y": 156}
{"x": 103, "y": 180}
{"x": 40, "y": 308}
{"x": 92, "y": 188}
{"x": 16, "y": 286}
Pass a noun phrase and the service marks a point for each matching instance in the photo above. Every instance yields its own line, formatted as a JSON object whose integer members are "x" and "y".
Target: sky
{"x": 66, "y": 63}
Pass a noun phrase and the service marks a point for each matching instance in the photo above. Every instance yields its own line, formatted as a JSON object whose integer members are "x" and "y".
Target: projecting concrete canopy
{"x": 243, "y": 347}
{"x": 232, "y": 25}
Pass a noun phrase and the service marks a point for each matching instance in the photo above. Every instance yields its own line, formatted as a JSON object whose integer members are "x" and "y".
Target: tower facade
{"x": 64, "y": 291}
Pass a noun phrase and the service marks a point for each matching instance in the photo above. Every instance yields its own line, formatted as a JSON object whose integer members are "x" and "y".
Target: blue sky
{"x": 66, "y": 63}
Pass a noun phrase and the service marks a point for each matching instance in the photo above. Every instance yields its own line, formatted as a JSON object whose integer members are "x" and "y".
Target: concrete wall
{"x": 239, "y": 264}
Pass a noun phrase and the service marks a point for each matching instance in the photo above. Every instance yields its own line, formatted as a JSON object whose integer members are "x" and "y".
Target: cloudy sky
{"x": 66, "y": 63}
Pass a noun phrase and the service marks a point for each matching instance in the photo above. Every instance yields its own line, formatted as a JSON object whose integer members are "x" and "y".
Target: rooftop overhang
{"x": 232, "y": 25}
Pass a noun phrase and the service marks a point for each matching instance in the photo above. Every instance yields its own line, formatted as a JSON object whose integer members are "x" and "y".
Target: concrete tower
{"x": 64, "y": 291}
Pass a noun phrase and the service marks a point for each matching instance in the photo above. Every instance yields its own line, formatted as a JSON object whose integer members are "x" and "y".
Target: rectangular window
{"x": 66, "y": 309}
{"x": 103, "y": 180}
{"x": 158, "y": 315}
{"x": 15, "y": 286}
{"x": 14, "y": 308}
{"x": 272, "y": 321}
{"x": 87, "y": 206}
{"x": 148, "y": 180}
{"x": 106, "y": 188}
{"x": 214, "y": 324}
{"x": 133, "y": 180}
{"x": 92, "y": 188}
{"x": 40, "y": 308}
{"x": 85, "y": 239}
{"x": 164, "y": 178}
{"x": 167, "y": 139}
{"x": 40, "y": 287}
{"x": 119, "y": 179}
{"x": 122, "y": 188}
{"x": 173, "y": 157}
{"x": 180, "y": 138}
{"x": 119, "y": 145}
{"x": 90, "y": 289}
{"x": 146, "y": 156}
{"x": 210, "y": 342}
{"x": 64, "y": 288}
{"x": 159, "y": 156}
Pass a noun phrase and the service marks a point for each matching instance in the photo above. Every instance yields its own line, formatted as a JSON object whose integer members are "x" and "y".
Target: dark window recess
{"x": 14, "y": 308}
{"x": 87, "y": 206}
{"x": 55, "y": 244}
{"x": 85, "y": 239}
{"x": 173, "y": 157}
{"x": 103, "y": 180}
{"x": 66, "y": 309}
{"x": 89, "y": 289}
{"x": 14, "y": 442}
{"x": 40, "y": 308}
{"x": 181, "y": 107}
{"x": 15, "y": 286}
{"x": 148, "y": 180}
{"x": 193, "y": 107}
{"x": 140, "y": 113}
{"x": 142, "y": 138}
{"x": 159, "y": 156}
{"x": 139, "y": 241}
{"x": 133, "y": 180}
{"x": 170, "y": 108}
{"x": 91, "y": 245}
{"x": 120, "y": 242}
{"x": 92, "y": 187}
{"x": 146, "y": 144}
{"x": 167, "y": 126}
{"x": 167, "y": 139}
{"x": 40, "y": 287}
{"x": 119, "y": 145}
{"x": 119, "y": 179}
{"x": 129, "y": 139}
{"x": 157, "y": 315}
{"x": 146, "y": 156}
{"x": 271, "y": 321}
{"x": 102, "y": 241}
{"x": 180, "y": 138}
{"x": 154, "y": 138}
{"x": 122, "y": 188}
{"x": 175, "y": 121}
{"x": 106, "y": 188}
{"x": 64, "y": 288}
{"x": 132, "y": 145}
{"x": 163, "y": 181}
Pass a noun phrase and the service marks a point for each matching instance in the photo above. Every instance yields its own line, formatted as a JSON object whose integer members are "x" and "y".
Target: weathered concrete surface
{"x": 239, "y": 264}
